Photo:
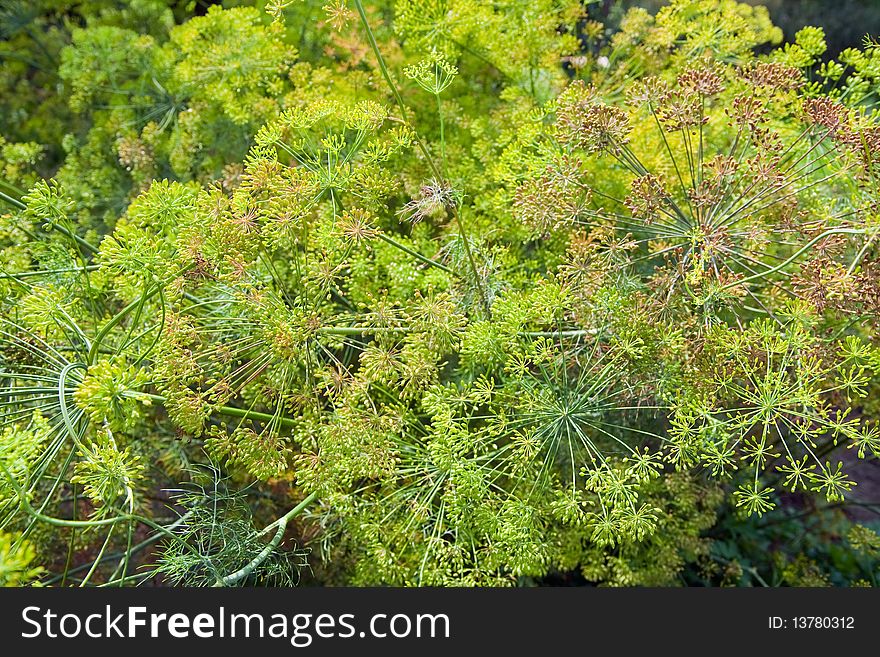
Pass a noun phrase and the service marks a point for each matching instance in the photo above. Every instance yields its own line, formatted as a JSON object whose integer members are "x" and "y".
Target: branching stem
{"x": 383, "y": 67}
{"x": 280, "y": 527}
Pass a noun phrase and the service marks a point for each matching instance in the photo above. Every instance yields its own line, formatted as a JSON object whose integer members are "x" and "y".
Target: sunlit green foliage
{"x": 434, "y": 293}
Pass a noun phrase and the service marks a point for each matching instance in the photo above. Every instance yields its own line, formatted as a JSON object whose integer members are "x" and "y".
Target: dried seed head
{"x": 647, "y": 197}
{"x": 827, "y": 113}
{"x": 703, "y": 81}
{"x": 770, "y": 75}
{"x": 721, "y": 167}
{"x": 549, "y": 202}
{"x": 747, "y": 112}
{"x": 826, "y": 284}
{"x": 585, "y": 123}
{"x": 683, "y": 113}
{"x": 652, "y": 90}
{"x": 434, "y": 198}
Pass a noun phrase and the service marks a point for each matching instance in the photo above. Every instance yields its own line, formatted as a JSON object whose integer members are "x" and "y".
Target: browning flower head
{"x": 764, "y": 170}
{"x": 772, "y": 76}
{"x": 684, "y": 108}
{"x": 590, "y": 257}
{"x": 869, "y": 286}
{"x": 651, "y": 90}
{"x": 826, "y": 284}
{"x": 356, "y": 225}
{"x": 434, "y": 198}
{"x": 584, "y": 122}
{"x": 647, "y": 198}
{"x": 721, "y": 166}
{"x": 863, "y": 139}
{"x": 245, "y": 219}
{"x": 555, "y": 199}
{"x": 577, "y": 62}
{"x": 747, "y": 111}
{"x": 543, "y": 206}
{"x": 704, "y": 81}
{"x": 718, "y": 176}
{"x": 682, "y": 113}
{"x": 826, "y": 113}
{"x": 705, "y": 194}
{"x": 134, "y": 154}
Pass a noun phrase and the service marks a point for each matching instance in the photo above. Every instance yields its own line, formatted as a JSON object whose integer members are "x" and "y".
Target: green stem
{"x": 60, "y": 522}
{"x": 801, "y": 251}
{"x": 61, "y": 229}
{"x": 133, "y": 549}
{"x": 442, "y": 133}
{"x": 230, "y": 411}
{"x": 98, "y": 559}
{"x": 12, "y": 188}
{"x": 12, "y": 201}
{"x": 41, "y": 272}
{"x": 360, "y": 330}
{"x": 383, "y": 67}
{"x": 88, "y": 246}
{"x": 118, "y": 317}
{"x": 414, "y": 254}
{"x": 559, "y": 334}
{"x": 271, "y": 546}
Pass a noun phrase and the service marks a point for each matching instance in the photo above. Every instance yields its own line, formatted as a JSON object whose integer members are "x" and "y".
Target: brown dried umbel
{"x": 860, "y": 135}
{"x": 652, "y": 90}
{"x": 647, "y": 198}
{"x": 826, "y": 284}
{"x": 726, "y": 210}
{"x": 591, "y": 257}
{"x": 554, "y": 200}
{"x": 747, "y": 112}
{"x": 772, "y": 76}
{"x": 685, "y": 107}
{"x": 701, "y": 81}
{"x": 434, "y": 199}
{"x": 585, "y": 123}
{"x": 828, "y": 114}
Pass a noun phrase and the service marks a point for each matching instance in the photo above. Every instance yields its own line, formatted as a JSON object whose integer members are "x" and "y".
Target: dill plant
{"x": 433, "y": 293}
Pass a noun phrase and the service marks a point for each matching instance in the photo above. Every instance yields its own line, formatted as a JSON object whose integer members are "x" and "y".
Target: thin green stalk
{"x": 12, "y": 188}
{"x": 42, "y": 272}
{"x": 58, "y": 522}
{"x": 12, "y": 201}
{"x": 271, "y": 546}
{"x": 104, "y": 522}
{"x": 801, "y": 251}
{"x": 229, "y": 411}
{"x": 132, "y": 549}
{"x": 360, "y": 330}
{"x": 442, "y": 134}
{"x": 422, "y": 147}
{"x": 414, "y": 254}
{"x": 94, "y": 567}
{"x": 559, "y": 334}
{"x": 71, "y": 541}
{"x": 118, "y": 317}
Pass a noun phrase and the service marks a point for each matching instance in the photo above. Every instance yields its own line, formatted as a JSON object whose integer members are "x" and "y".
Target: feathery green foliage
{"x": 432, "y": 292}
